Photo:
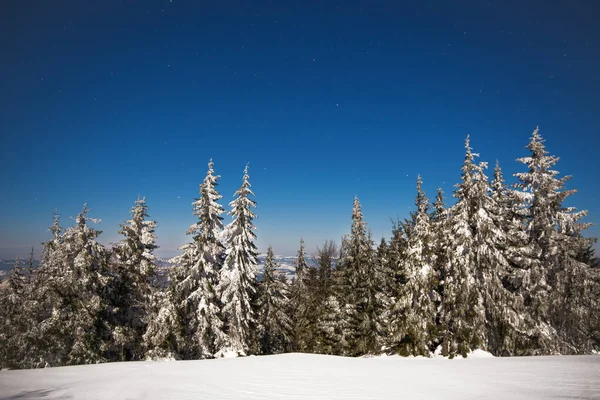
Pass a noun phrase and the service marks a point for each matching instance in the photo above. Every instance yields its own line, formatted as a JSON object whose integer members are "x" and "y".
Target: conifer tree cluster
{"x": 506, "y": 269}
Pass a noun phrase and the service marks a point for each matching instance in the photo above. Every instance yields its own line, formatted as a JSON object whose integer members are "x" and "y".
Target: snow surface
{"x": 307, "y": 376}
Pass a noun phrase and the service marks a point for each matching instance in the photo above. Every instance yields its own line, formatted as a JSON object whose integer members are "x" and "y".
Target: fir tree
{"x": 462, "y": 318}
{"x": 325, "y": 294}
{"x": 273, "y": 322}
{"x": 16, "y": 318}
{"x": 77, "y": 284}
{"x": 488, "y": 224}
{"x": 415, "y": 307}
{"x": 136, "y": 274}
{"x": 359, "y": 290}
{"x": 237, "y": 286}
{"x": 439, "y": 227}
{"x": 203, "y": 260}
{"x": 555, "y": 279}
{"x": 299, "y": 301}
{"x": 194, "y": 317}
{"x": 165, "y": 333}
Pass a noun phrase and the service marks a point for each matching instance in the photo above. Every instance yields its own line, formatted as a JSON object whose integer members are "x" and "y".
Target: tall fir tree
{"x": 555, "y": 279}
{"x": 134, "y": 286}
{"x": 193, "y": 284}
{"x": 463, "y": 315}
{"x": 330, "y": 332}
{"x": 415, "y": 310}
{"x": 19, "y": 331}
{"x": 488, "y": 225}
{"x": 359, "y": 290}
{"x": 237, "y": 286}
{"x": 439, "y": 227}
{"x": 298, "y": 304}
{"x": 273, "y": 322}
{"x": 78, "y": 284}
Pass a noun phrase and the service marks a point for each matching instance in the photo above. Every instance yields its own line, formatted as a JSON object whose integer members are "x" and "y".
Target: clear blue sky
{"x": 102, "y": 101}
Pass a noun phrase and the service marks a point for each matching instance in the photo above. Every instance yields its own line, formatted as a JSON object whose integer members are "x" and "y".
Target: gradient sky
{"x": 103, "y": 101}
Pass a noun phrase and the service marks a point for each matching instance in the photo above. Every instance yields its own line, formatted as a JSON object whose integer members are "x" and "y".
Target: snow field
{"x": 307, "y": 376}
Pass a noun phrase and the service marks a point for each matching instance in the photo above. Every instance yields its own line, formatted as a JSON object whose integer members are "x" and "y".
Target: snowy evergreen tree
{"x": 311, "y": 311}
{"x": 489, "y": 226}
{"x": 556, "y": 281}
{"x": 360, "y": 290}
{"x": 202, "y": 260}
{"x": 273, "y": 323}
{"x": 237, "y": 286}
{"x": 191, "y": 307}
{"x": 299, "y": 301}
{"x": 300, "y": 266}
{"x": 18, "y": 328}
{"x": 165, "y": 333}
{"x": 415, "y": 310}
{"x": 329, "y": 332}
{"x": 77, "y": 284}
{"x": 133, "y": 289}
{"x": 387, "y": 286}
{"x": 463, "y": 314}
{"x": 440, "y": 233}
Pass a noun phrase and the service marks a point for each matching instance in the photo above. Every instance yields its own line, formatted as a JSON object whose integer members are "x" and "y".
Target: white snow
{"x": 306, "y": 376}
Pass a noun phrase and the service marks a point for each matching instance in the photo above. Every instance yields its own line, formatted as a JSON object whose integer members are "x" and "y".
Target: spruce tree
{"x": 191, "y": 306}
{"x": 325, "y": 295}
{"x": 273, "y": 322}
{"x": 17, "y": 327}
{"x": 133, "y": 289}
{"x": 237, "y": 286}
{"x": 299, "y": 301}
{"x": 489, "y": 226}
{"x": 416, "y": 306}
{"x": 77, "y": 287}
{"x": 360, "y": 289}
{"x": 463, "y": 314}
{"x": 166, "y": 336}
{"x": 204, "y": 260}
{"x": 556, "y": 281}
{"x": 439, "y": 227}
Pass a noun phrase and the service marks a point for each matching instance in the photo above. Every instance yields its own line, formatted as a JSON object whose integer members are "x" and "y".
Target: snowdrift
{"x": 307, "y": 376}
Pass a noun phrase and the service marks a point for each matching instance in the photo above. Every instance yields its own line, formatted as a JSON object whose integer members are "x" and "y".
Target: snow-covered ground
{"x": 305, "y": 376}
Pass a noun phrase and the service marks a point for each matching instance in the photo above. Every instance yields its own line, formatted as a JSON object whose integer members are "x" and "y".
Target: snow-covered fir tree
{"x": 237, "y": 285}
{"x": 556, "y": 282}
{"x": 299, "y": 299}
{"x": 193, "y": 283}
{"x": 463, "y": 314}
{"x": 77, "y": 284}
{"x": 134, "y": 286}
{"x": 308, "y": 339}
{"x": 415, "y": 312}
{"x": 488, "y": 225}
{"x": 439, "y": 229}
{"x": 19, "y": 332}
{"x": 359, "y": 290}
{"x": 165, "y": 333}
{"x": 273, "y": 323}
{"x": 329, "y": 331}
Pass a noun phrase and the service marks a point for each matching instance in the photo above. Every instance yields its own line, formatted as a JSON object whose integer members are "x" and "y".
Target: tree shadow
{"x": 33, "y": 394}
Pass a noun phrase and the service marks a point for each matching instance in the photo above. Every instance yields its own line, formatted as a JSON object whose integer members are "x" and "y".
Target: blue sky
{"x": 326, "y": 100}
